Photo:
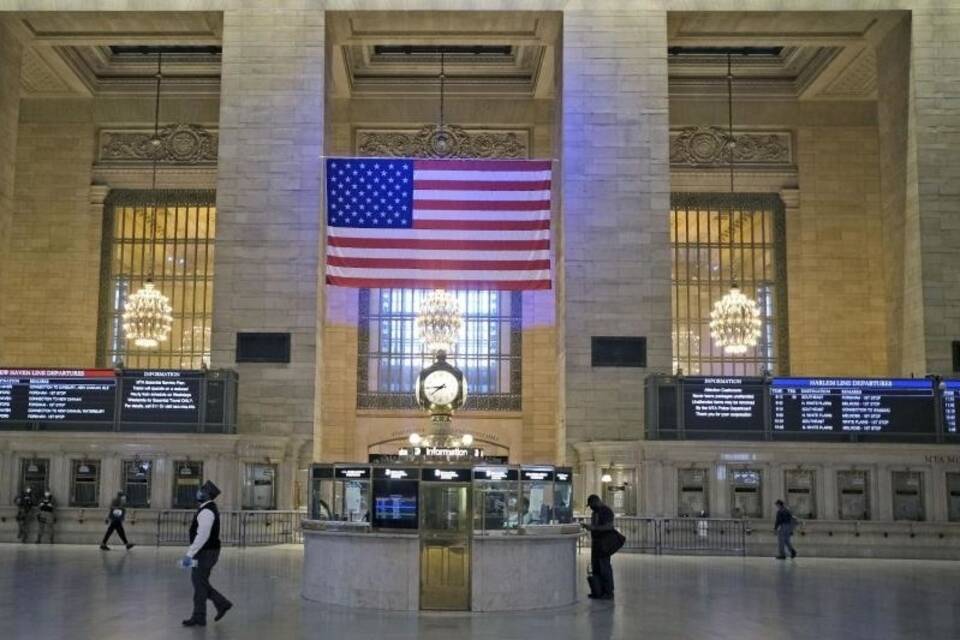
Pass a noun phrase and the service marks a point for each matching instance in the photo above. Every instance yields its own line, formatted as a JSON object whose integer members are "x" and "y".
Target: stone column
{"x": 614, "y": 269}
{"x": 269, "y": 207}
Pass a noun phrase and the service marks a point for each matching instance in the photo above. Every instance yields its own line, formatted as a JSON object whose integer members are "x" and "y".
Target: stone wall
{"x": 51, "y": 268}
{"x": 837, "y": 293}
{"x": 268, "y": 208}
{"x": 615, "y": 258}
{"x": 10, "y": 60}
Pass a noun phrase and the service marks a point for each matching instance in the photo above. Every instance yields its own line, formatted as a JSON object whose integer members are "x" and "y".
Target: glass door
{"x": 445, "y": 526}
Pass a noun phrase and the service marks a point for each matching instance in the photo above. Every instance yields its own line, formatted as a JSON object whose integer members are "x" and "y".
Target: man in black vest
{"x": 202, "y": 555}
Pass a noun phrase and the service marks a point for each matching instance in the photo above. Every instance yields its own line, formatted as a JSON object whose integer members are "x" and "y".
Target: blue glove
{"x": 186, "y": 562}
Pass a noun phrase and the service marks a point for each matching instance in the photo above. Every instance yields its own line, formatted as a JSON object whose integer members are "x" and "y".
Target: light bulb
{"x": 414, "y": 439}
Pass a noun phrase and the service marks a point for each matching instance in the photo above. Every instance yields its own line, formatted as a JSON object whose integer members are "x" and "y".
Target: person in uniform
{"x": 118, "y": 511}
{"x": 202, "y": 556}
{"x": 25, "y": 504}
{"x": 45, "y": 516}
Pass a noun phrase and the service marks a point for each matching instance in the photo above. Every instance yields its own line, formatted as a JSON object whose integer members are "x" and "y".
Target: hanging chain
{"x": 730, "y": 148}
{"x": 155, "y": 144}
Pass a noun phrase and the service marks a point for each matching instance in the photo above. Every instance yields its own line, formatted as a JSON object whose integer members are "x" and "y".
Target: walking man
{"x": 601, "y": 529}
{"x": 25, "y": 504}
{"x": 202, "y": 555}
{"x": 45, "y": 517}
{"x": 783, "y": 526}
{"x": 118, "y": 511}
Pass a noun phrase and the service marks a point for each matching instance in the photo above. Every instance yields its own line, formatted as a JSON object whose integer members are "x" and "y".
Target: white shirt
{"x": 204, "y": 525}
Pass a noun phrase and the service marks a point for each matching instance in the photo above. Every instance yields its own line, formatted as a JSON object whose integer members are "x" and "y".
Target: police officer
{"x": 202, "y": 555}
{"x": 118, "y": 511}
{"x": 45, "y": 517}
{"x": 25, "y": 503}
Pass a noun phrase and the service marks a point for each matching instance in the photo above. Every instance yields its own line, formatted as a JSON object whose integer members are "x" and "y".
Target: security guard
{"x": 202, "y": 555}
{"x": 25, "y": 504}
{"x": 45, "y": 517}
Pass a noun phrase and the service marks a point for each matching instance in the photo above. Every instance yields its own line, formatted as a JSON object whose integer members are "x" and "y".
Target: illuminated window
{"x": 137, "y": 474}
{"x": 34, "y": 474}
{"x": 174, "y": 243}
{"x": 85, "y": 483}
{"x": 391, "y": 356}
{"x": 714, "y": 239}
{"x": 187, "y": 480}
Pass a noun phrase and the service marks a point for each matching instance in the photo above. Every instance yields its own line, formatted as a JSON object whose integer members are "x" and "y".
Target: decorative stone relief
{"x": 180, "y": 144}
{"x": 706, "y": 146}
{"x": 450, "y": 142}
{"x": 858, "y": 80}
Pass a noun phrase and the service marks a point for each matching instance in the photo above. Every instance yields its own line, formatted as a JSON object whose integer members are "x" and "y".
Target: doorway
{"x": 445, "y": 527}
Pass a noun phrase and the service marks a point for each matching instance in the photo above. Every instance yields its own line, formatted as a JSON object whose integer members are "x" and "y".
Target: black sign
{"x": 852, "y": 406}
{"x": 161, "y": 396}
{"x": 444, "y": 474}
{"x": 57, "y": 395}
{"x": 352, "y": 473}
{"x": 722, "y": 404}
{"x": 537, "y": 474}
{"x": 564, "y": 474}
{"x": 396, "y": 473}
{"x": 496, "y": 473}
{"x": 951, "y": 405}
{"x": 322, "y": 472}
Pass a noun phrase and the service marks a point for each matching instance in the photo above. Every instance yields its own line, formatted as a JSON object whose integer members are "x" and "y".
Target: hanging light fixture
{"x": 735, "y": 318}
{"x": 438, "y": 321}
{"x": 147, "y": 314}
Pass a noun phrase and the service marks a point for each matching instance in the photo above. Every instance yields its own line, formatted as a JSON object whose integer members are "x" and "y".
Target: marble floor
{"x": 80, "y": 592}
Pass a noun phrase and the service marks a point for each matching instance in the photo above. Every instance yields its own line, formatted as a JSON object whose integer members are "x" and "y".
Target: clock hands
{"x": 437, "y": 388}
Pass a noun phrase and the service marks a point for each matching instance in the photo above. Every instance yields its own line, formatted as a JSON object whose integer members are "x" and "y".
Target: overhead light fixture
{"x": 606, "y": 478}
{"x": 735, "y": 318}
{"x": 438, "y": 321}
{"x": 147, "y": 314}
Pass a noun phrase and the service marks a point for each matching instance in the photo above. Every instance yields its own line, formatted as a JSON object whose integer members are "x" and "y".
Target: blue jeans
{"x": 783, "y": 542}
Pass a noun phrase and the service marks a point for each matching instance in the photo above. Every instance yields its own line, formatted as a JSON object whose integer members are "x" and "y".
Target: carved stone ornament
{"x": 449, "y": 142}
{"x": 180, "y": 144}
{"x": 706, "y": 146}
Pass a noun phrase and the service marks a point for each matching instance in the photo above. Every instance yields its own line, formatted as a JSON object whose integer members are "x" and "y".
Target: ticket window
{"x": 321, "y": 492}
{"x": 854, "y": 495}
{"x": 619, "y": 490}
{"x": 136, "y": 482}
{"x": 801, "y": 493}
{"x": 35, "y": 475}
{"x": 85, "y": 483}
{"x": 953, "y": 497}
{"x": 746, "y": 493}
{"x": 351, "y": 494}
{"x": 536, "y": 495}
{"x": 563, "y": 495}
{"x": 259, "y": 486}
{"x": 496, "y": 498}
{"x": 187, "y": 480}
{"x": 908, "y": 495}
{"x": 694, "y": 494}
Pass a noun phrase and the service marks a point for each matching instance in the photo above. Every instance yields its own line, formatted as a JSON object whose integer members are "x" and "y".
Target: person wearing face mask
{"x": 202, "y": 556}
{"x": 45, "y": 517}
{"x": 118, "y": 511}
{"x": 25, "y": 504}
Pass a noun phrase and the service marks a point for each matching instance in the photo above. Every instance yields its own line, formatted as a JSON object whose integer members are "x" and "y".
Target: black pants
{"x": 202, "y": 589}
{"x": 118, "y": 527}
{"x": 603, "y": 571}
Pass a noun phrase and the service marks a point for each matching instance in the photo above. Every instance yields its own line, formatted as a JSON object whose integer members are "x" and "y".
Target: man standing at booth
{"x": 202, "y": 555}
{"x": 605, "y": 541}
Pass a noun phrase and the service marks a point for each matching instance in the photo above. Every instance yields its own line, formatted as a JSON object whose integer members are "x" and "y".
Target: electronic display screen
{"x": 57, "y": 395}
{"x": 564, "y": 474}
{"x": 951, "y": 405}
{"x": 445, "y": 474}
{"x": 352, "y": 473}
{"x": 852, "y": 406}
{"x": 162, "y": 396}
{"x": 395, "y": 504}
{"x": 713, "y": 405}
{"x": 537, "y": 474}
{"x": 496, "y": 474}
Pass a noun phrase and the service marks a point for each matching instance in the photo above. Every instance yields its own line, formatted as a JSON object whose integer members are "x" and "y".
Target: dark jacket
{"x": 117, "y": 511}
{"x": 213, "y": 542}
{"x": 602, "y": 516}
{"x": 784, "y": 518}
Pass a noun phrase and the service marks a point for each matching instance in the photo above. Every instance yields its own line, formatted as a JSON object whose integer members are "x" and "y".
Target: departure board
{"x": 57, "y": 395}
{"x": 722, "y": 404}
{"x": 161, "y": 396}
{"x": 951, "y": 404}
{"x": 852, "y": 406}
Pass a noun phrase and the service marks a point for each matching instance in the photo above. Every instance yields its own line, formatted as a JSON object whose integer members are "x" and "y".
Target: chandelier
{"x": 147, "y": 315}
{"x": 438, "y": 321}
{"x": 735, "y": 318}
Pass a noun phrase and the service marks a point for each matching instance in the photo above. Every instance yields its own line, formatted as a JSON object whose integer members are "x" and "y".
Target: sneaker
{"x": 781, "y": 557}
{"x": 129, "y": 546}
{"x": 223, "y": 612}
{"x": 104, "y": 547}
{"x": 793, "y": 554}
{"x": 194, "y": 622}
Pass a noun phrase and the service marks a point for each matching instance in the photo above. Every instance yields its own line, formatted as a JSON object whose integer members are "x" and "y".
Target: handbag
{"x": 611, "y": 543}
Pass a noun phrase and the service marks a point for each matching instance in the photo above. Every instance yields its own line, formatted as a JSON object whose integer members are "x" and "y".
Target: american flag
{"x": 457, "y": 224}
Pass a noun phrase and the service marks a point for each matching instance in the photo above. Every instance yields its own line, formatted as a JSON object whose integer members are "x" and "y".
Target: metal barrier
{"x": 237, "y": 528}
{"x": 679, "y": 535}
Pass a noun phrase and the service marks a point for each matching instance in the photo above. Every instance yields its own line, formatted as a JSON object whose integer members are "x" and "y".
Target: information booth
{"x": 440, "y": 536}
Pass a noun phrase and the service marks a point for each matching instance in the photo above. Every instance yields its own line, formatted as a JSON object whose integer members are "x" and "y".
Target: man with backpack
{"x": 783, "y": 526}
{"x": 605, "y": 541}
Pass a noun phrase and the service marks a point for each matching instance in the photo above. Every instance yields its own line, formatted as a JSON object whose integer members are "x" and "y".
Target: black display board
{"x": 57, "y": 395}
{"x": 496, "y": 474}
{"x": 951, "y": 406}
{"x": 870, "y": 406}
{"x": 536, "y": 474}
{"x": 564, "y": 475}
{"x": 713, "y": 406}
{"x": 163, "y": 396}
{"x": 444, "y": 474}
{"x": 352, "y": 473}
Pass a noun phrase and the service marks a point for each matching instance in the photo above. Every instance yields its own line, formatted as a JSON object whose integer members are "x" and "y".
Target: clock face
{"x": 441, "y": 387}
